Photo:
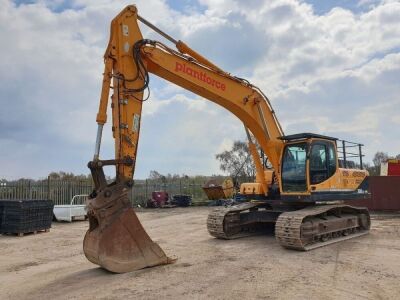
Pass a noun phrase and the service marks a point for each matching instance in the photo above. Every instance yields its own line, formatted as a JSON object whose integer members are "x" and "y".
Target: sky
{"x": 329, "y": 67}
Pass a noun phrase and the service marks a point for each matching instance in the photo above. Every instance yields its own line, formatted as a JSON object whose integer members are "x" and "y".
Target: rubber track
{"x": 288, "y": 227}
{"x": 216, "y": 220}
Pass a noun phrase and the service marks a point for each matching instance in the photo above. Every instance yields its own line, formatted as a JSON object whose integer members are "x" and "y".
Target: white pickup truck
{"x": 75, "y": 210}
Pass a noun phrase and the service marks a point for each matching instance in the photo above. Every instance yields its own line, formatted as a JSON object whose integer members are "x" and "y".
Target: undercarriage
{"x": 299, "y": 228}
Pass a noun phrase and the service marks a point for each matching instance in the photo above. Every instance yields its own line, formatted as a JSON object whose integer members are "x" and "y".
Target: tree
{"x": 68, "y": 176}
{"x": 237, "y": 162}
{"x": 154, "y": 175}
{"x": 379, "y": 158}
{"x": 398, "y": 156}
{"x": 371, "y": 169}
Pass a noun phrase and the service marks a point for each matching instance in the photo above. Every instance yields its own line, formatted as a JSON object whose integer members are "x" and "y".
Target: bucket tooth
{"x": 116, "y": 240}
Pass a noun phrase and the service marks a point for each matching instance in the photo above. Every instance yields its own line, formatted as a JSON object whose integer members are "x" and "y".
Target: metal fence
{"x": 62, "y": 191}
{"x": 142, "y": 190}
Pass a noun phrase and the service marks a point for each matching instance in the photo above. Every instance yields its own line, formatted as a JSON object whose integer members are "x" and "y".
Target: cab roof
{"x": 307, "y": 135}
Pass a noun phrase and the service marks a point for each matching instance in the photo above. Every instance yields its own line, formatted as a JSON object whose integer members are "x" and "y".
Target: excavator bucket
{"x": 116, "y": 240}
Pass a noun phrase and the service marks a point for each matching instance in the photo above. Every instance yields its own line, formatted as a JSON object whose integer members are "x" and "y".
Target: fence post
{"x": 29, "y": 190}
{"x": 48, "y": 187}
{"x": 69, "y": 192}
{"x": 145, "y": 193}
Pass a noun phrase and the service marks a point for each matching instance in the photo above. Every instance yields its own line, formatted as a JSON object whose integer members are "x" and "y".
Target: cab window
{"x": 332, "y": 159}
{"x": 318, "y": 163}
{"x": 322, "y": 162}
{"x": 294, "y": 177}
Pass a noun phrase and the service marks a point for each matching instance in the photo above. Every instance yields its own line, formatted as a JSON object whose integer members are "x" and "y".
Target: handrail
{"x": 342, "y": 145}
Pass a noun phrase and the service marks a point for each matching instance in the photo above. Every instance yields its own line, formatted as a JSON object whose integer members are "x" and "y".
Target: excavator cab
{"x": 310, "y": 167}
{"x": 322, "y": 163}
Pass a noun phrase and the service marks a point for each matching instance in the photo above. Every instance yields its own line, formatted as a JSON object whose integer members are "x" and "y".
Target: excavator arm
{"x": 116, "y": 239}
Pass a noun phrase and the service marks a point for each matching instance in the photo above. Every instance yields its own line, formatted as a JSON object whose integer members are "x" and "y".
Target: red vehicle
{"x": 158, "y": 199}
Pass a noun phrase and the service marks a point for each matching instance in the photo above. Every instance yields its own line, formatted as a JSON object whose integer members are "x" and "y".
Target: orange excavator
{"x": 302, "y": 194}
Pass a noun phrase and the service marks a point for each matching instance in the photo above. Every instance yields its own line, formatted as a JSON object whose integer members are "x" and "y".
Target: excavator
{"x": 302, "y": 194}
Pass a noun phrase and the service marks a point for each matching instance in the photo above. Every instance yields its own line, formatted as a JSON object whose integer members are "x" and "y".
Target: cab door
{"x": 322, "y": 161}
{"x": 293, "y": 170}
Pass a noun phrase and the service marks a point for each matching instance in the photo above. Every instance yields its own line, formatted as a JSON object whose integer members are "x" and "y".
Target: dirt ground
{"x": 52, "y": 265}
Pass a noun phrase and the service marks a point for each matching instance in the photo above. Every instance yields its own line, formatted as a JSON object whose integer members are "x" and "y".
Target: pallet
{"x": 19, "y": 234}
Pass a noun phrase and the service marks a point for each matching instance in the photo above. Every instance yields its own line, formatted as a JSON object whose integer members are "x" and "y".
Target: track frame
{"x": 302, "y": 227}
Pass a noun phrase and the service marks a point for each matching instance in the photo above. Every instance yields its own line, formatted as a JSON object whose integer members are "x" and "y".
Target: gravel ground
{"x": 52, "y": 265}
